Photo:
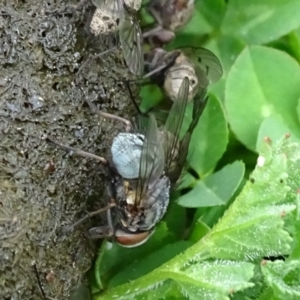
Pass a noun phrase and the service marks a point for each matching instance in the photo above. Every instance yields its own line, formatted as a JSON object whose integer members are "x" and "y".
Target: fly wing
{"x": 205, "y": 61}
{"x": 113, "y": 8}
{"x": 131, "y": 39}
{"x": 152, "y": 161}
{"x": 200, "y": 101}
{"x": 172, "y": 130}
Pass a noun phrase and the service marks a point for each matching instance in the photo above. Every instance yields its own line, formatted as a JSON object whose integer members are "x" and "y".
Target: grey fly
{"x": 129, "y": 30}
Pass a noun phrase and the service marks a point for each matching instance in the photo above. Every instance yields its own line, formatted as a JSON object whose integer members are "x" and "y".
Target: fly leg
{"x": 89, "y": 59}
{"x": 161, "y": 61}
{"x": 108, "y": 115}
{"x": 103, "y": 231}
{"x": 78, "y": 151}
{"x": 108, "y": 230}
{"x": 152, "y": 32}
{"x": 91, "y": 105}
{"x": 163, "y": 35}
{"x": 91, "y": 214}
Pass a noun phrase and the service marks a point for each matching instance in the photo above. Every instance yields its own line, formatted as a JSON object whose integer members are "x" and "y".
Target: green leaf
{"x": 215, "y": 280}
{"x": 283, "y": 277}
{"x": 298, "y": 110}
{"x": 213, "y": 11}
{"x": 256, "y": 214}
{"x": 151, "y": 95}
{"x": 295, "y": 254}
{"x": 273, "y": 128}
{"x": 204, "y": 151}
{"x": 200, "y": 229}
{"x": 142, "y": 266}
{"x": 175, "y": 219}
{"x": 164, "y": 290}
{"x": 229, "y": 48}
{"x": 207, "y": 280}
{"x": 259, "y": 22}
{"x": 262, "y": 82}
{"x": 190, "y": 35}
{"x": 216, "y": 189}
{"x": 292, "y": 152}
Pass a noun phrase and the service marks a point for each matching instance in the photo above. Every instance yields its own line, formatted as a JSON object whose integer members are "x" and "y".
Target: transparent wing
{"x": 152, "y": 161}
{"x": 200, "y": 101}
{"x": 113, "y": 8}
{"x": 131, "y": 39}
{"x": 206, "y": 61}
{"x": 171, "y": 132}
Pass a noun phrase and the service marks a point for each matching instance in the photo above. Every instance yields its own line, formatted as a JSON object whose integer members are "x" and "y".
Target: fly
{"x": 160, "y": 162}
{"x": 129, "y": 30}
{"x": 144, "y": 167}
{"x": 168, "y": 69}
{"x": 170, "y": 15}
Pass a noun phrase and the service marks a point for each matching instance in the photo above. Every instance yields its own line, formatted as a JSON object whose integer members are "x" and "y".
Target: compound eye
{"x": 130, "y": 240}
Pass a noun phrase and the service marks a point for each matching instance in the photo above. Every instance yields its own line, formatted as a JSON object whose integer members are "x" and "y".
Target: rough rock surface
{"x": 44, "y": 78}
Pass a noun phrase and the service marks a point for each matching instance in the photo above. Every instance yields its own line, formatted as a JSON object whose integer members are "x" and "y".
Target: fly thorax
{"x": 126, "y": 152}
{"x": 130, "y": 198}
{"x": 125, "y": 194}
{"x": 175, "y": 75}
{"x": 129, "y": 214}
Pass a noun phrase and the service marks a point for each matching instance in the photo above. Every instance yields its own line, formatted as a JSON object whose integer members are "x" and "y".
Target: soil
{"x": 44, "y": 80}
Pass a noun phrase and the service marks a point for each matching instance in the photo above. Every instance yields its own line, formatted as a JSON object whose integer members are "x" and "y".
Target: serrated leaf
{"x": 215, "y": 189}
{"x": 215, "y": 280}
{"x": 283, "y": 277}
{"x": 273, "y": 128}
{"x": 255, "y": 90}
{"x": 257, "y": 213}
{"x": 144, "y": 265}
{"x": 166, "y": 290}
